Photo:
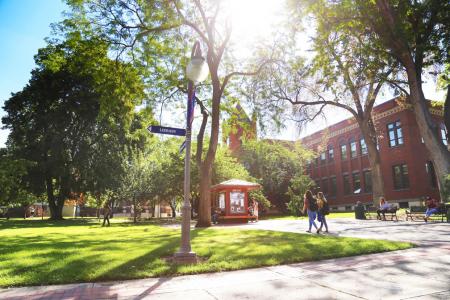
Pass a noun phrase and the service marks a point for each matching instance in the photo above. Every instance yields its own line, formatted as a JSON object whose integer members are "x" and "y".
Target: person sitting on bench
{"x": 384, "y": 207}
{"x": 215, "y": 215}
{"x": 432, "y": 208}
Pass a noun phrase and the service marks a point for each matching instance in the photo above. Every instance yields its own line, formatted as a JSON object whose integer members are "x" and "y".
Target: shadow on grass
{"x": 35, "y": 223}
{"x": 101, "y": 255}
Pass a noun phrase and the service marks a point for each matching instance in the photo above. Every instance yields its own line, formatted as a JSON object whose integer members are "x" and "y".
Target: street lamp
{"x": 196, "y": 71}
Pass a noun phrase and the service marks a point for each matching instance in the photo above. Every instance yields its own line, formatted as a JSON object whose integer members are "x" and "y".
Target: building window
{"x": 400, "y": 174}
{"x": 356, "y": 183}
{"x": 353, "y": 153}
{"x": 444, "y": 135}
{"x": 395, "y": 134}
{"x": 343, "y": 152}
{"x": 324, "y": 186}
{"x": 323, "y": 158}
{"x": 363, "y": 146}
{"x": 346, "y": 180}
{"x": 316, "y": 162}
{"x": 333, "y": 186}
{"x": 330, "y": 154}
{"x": 368, "y": 181}
{"x": 431, "y": 174}
{"x": 221, "y": 201}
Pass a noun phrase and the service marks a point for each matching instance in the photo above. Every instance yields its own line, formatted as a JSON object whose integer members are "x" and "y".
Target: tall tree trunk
{"x": 447, "y": 116}
{"x": 53, "y": 203}
{"x": 173, "y": 207}
{"x": 397, "y": 44}
{"x": 204, "y": 206}
{"x": 134, "y": 209}
{"x": 369, "y": 134}
{"x": 438, "y": 152}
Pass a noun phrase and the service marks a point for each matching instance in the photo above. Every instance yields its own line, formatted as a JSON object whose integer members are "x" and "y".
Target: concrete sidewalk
{"x": 419, "y": 273}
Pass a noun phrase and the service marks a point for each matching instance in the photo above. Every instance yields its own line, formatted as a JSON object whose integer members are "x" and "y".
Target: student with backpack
{"x": 310, "y": 206}
{"x": 323, "y": 210}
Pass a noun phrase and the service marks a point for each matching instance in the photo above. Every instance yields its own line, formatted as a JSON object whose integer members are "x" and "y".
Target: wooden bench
{"x": 238, "y": 218}
{"x": 371, "y": 213}
{"x": 415, "y": 213}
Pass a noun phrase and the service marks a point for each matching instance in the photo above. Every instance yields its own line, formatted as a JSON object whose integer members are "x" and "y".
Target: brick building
{"x": 237, "y": 128}
{"x": 342, "y": 169}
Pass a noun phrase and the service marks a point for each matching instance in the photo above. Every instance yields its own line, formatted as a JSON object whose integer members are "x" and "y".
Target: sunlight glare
{"x": 254, "y": 20}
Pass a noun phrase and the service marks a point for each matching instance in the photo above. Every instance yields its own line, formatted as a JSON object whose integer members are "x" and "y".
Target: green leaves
{"x": 73, "y": 119}
{"x": 276, "y": 165}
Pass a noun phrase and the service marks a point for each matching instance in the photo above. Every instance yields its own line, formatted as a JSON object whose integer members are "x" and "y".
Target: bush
{"x": 297, "y": 188}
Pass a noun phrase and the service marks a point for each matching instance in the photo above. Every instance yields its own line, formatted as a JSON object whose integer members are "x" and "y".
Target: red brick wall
{"x": 412, "y": 153}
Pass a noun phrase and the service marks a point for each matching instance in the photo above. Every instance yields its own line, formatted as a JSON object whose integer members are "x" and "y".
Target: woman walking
{"x": 322, "y": 211}
{"x": 310, "y": 206}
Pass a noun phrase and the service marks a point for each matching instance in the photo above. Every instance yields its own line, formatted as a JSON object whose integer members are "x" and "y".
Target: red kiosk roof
{"x": 235, "y": 183}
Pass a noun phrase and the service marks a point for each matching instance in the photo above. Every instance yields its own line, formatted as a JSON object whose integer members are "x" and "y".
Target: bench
{"x": 238, "y": 218}
{"x": 371, "y": 213}
{"x": 415, "y": 213}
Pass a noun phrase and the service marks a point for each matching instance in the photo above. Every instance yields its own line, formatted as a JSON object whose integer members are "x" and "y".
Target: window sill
{"x": 401, "y": 190}
{"x": 396, "y": 146}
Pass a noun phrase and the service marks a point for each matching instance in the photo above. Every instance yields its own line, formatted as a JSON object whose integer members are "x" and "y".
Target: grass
{"x": 332, "y": 215}
{"x": 35, "y": 252}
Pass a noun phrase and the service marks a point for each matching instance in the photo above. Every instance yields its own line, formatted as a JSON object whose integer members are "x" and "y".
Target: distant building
{"x": 342, "y": 171}
{"x": 237, "y": 128}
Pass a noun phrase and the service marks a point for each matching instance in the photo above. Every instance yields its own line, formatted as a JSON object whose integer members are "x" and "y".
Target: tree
{"x": 157, "y": 29}
{"x": 166, "y": 178}
{"x": 347, "y": 72}
{"x": 416, "y": 34}
{"x": 277, "y": 167}
{"x": 415, "y": 31}
{"x": 444, "y": 83}
{"x": 12, "y": 172}
{"x": 136, "y": 182}
{"x": 72, "y": 119}
{"x": 298, "y": 186}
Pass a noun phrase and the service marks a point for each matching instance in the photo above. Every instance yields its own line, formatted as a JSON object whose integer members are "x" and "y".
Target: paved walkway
{"x": 418, "y": 273}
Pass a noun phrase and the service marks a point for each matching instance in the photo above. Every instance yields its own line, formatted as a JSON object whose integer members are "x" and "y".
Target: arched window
{"x": 353, "y": 153}
{"x": 343, "y": 147}
{"x": 363, "y": 146}
{"x": 330, "y": 153}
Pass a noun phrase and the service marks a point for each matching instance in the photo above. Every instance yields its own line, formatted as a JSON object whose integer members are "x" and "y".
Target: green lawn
{"x": 332, "y": 215}
{"x": 35, "y": 252}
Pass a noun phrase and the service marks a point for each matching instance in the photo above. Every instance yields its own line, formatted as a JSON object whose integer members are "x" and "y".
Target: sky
{"x": 24, "y": 24}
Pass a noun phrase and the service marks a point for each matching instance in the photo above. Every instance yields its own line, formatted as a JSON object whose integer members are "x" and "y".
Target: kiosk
{"x": 230, "y": 200}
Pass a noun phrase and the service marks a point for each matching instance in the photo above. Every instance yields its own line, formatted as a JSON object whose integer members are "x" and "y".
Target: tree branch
{"x": 240, "y": 73}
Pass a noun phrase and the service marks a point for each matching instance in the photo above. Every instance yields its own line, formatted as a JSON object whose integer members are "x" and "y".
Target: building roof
{"x": 236, "y": 183}
{"x": 380, "y": 111}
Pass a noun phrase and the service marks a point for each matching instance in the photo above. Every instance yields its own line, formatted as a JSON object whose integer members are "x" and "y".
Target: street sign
{"x": 167, "y": 130}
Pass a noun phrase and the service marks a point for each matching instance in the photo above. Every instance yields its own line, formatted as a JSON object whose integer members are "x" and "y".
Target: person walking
{"x": 322, "y": 210}
{"x": 106, "y": 214}
{"x": 310, "y": 206}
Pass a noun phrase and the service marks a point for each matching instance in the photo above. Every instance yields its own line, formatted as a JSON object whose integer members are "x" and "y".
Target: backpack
{"x": 326, "y": 208}
{"x": 313, "y": 204}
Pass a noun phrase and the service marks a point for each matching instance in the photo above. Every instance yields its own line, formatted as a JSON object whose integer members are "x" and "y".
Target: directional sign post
{"x": 167, "y": 130}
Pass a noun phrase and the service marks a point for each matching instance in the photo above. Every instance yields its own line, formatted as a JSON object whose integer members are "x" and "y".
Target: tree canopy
{"x": 277, "y": 165}
{"x": 73, "y": 120}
